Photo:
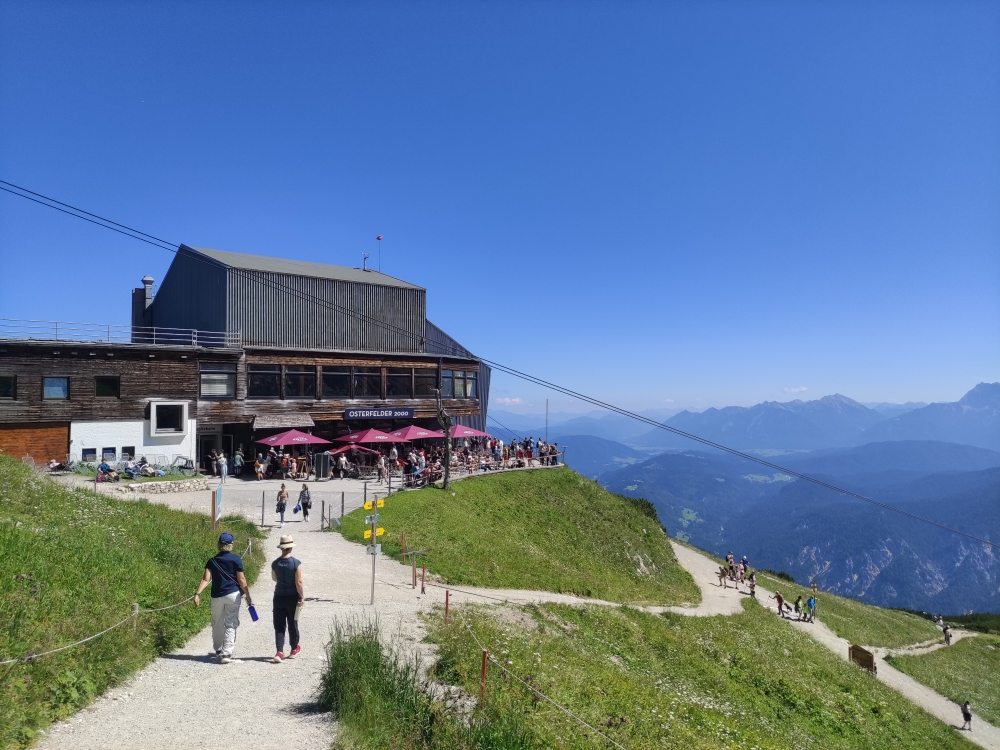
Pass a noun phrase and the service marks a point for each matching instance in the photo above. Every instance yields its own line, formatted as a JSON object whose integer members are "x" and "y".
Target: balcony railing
{"x": 51, "y": 330}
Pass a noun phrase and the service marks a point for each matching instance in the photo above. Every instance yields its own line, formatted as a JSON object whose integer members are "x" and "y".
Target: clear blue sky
{"x": 662, "y": 204}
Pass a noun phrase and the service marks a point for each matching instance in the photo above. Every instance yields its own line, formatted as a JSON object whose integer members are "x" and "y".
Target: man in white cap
{"x": 289, "y": 595}
{"x": 229, "y": 586}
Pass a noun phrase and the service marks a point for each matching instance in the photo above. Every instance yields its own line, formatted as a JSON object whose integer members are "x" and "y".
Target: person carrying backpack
{"x": 225, "y": 574}
{"x": 289, "y": 596}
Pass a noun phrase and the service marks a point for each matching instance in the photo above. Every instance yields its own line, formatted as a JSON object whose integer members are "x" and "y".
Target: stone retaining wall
{"x": 156, "y": 488}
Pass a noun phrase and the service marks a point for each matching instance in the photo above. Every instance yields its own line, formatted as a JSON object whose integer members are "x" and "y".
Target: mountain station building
{"x": 233, "y": 348}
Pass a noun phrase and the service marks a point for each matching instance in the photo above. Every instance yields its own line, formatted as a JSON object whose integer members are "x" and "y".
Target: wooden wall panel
{"x": 40, "y": 441}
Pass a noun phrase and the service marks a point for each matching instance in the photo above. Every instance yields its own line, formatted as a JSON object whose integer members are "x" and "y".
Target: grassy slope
{"x": 859, "y": 623}
{"x": 73, "y": 562}
{"x": 966, "y": 671}
{"x": 551, "y": 530}
{"x": 681, "y": 682}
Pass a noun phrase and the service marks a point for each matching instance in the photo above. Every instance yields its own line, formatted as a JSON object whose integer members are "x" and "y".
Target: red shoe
{"x": 278, "y": 658}
{"x": 295, "y": 652}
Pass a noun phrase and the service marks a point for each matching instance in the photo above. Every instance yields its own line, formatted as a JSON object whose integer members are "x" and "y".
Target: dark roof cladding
{"x": 301, "y": 268}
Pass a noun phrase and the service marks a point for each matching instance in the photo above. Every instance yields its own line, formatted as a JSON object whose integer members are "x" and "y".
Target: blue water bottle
{"x": 253, "y": 613}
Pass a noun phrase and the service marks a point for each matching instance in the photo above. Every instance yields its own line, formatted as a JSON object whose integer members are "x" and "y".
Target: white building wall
{"x": 116, "y": 434}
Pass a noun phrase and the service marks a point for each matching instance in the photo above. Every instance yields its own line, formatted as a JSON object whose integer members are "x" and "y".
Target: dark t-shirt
{"x": 284, "y": 569}
{"x": 224, "y": 567}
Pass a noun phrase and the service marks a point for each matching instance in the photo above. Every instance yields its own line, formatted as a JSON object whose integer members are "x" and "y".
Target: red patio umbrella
{"x": 416, "y": 433}
{"x": 291, "y": 437}
{"x": 370, "y": 436}
{"x": 458, "y": 431}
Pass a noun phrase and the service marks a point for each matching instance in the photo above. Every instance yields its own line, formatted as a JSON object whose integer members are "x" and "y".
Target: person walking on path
{"x": 811, "y": 604}
{"x": 781, "y": 602}
{"x": 305, "y": 502}
{"x": 238, "y": 463}
{"x": 225, "y": 573}
{"x": 223, "y": 466}
{"x": 799, "y": 609}
{"x": 967, "y": 716}
{"x": 289, "y": 595}
{"x": 752, "y": 583}
{"x": 282, "y": 504}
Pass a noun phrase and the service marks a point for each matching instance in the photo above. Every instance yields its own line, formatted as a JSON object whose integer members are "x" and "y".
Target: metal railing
{"x": 98, "y": 333}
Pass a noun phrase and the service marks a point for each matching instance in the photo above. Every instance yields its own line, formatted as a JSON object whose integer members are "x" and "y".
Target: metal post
{"x": 262, "y": 500}
{"x": 414, "y": 570}
{"x": 322, "y": 516}
{"x": 482, "y": 679}
{"x": 135, "y": 616}
{"x": 213, "y": 510}
{"x": 366, "y": 492}
{"x": 447, "y": 596}
{"x": 374, "y": 555}
{"x": 341, "y": 506}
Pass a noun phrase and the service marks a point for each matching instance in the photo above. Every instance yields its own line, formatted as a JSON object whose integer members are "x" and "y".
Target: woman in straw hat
{"x": 288, "y": 598}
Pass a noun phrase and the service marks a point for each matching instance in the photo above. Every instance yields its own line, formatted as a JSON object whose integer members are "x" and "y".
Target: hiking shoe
{"x": 278, "y": 658}
{"x": 295, "y": 652}
{"x": 226, "y": 659}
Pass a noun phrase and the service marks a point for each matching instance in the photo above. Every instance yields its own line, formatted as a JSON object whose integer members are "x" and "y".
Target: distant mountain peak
{"x": 983, "y": 395}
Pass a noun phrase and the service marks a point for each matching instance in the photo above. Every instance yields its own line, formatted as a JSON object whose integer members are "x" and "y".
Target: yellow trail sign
{"x": 369, "y": 504}
{"x": 378, "y": 532}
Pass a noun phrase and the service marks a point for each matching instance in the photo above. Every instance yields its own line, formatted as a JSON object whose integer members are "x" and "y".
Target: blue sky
{"x": 661, "y": 204}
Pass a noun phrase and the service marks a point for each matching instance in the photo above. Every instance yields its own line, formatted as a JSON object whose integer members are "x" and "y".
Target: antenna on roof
{"x": 364, "y": 261}
{"x": 379, "y": 238}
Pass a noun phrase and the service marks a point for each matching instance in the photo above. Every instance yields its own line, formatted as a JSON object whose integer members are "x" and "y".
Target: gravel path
{"x": 187, "y": 700}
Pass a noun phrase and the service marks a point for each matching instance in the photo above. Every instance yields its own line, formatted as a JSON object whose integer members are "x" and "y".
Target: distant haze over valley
{"x": 940, "y": 461}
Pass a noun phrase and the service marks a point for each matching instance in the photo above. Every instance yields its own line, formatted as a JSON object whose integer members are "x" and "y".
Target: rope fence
{"x": 136, "y": 611}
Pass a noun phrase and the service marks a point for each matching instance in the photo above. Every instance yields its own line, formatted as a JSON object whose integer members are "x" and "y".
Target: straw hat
{"x": 286, "y": 542}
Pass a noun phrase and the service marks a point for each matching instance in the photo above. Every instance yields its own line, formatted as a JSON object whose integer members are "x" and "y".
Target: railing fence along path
{"x": 106, "y": 333}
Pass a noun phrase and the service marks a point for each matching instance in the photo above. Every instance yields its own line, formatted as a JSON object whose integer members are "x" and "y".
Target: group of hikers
{"x": 224, "y": 573}
{"x": 740, "y": 573}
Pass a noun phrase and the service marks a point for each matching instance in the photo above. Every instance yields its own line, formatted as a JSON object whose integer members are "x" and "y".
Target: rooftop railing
{"x": 97, "y": 333}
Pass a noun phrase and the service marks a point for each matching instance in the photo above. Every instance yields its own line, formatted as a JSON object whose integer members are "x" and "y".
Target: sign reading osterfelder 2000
{"x": 378, "y": 414}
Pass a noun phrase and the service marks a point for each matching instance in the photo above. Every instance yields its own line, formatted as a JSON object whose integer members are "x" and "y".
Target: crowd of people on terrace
{"x": 415, "y": 465}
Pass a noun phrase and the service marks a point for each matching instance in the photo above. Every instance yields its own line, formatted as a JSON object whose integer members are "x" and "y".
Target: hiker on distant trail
{"x": 229, "y": 586}
{"x": 731, "y": 562}
{"x": 967, "y": 716}
{"x": 306, "y": 502}
{"x": 282, "y": 504}
{"x": 799, "y": 609}
{"x": 811, "y": 604}
{"x": 781, "y": 602}
{"x": 752, "y": 582}
{"x": 947, "y": 635}
{"x": 723, "y": 575}
{"x": 289, "y": 596}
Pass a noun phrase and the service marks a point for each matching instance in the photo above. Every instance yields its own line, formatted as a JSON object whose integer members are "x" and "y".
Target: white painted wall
{"x": 108, "y": 433}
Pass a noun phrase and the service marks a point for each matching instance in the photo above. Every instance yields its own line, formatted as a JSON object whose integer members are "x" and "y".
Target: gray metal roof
{"x": 301, "y": 268}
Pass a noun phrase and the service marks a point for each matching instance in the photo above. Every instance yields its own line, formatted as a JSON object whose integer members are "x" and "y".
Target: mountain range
{"x": 720, "y": 503}
{"x": 836, "y": 421}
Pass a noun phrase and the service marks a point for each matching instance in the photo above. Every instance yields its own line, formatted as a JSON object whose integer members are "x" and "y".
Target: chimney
{"x": 147, "y": 283}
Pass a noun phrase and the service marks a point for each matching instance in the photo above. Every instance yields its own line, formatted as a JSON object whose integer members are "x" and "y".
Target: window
{"x": 55, "y": 388}
{"x": 263, "y": 381}
{"x": 168, "y": 418}
{"x": 425, "y": 382}
{"x": 367, "y": 382}
{"x": 128, "y": 452}
{"x": 399, "y": 382}
{"x": 300, "y": 381}
{"x": 459, "y": 384}
{"x": 107, "y": 386}
{"x": 471, "y": 379}
{"x": 8, "y": 386}
{"x": 336, "y": 382}
{"x": 218, "y": 380}
{"x": 109, "y": 454}
{"x": 447, "y": 384}
{"x": 89, "y": 455}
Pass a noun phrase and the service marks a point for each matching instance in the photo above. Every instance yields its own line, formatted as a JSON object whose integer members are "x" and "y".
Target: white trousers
{"x": 225, "y": 620}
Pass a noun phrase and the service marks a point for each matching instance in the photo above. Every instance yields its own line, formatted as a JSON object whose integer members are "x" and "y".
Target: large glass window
{"x": 8, "y": 386}
{"x": 424, "y": 383}
{"x": 107, "y": 386}
{"x": 447, "y": 384}
{"x": 367, "y": 382}
{"x": 336, "y": 382}
{"x": 459, "y": 384}
{"x": 167, "y": 418}
{"x": 399, "y": 382}
{"x": 471, "y": 390}
{"x": 218, "y": 380}
{"x": 300, "y": 381}
{"x": 55, "y": 389}
{"x": 263, "y": 381}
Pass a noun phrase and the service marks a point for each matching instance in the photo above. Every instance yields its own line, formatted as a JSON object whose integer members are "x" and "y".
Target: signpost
{"x": 373, "y": 533}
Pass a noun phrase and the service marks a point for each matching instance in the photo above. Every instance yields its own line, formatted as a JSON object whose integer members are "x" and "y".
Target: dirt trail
{"x": 187, "y": 700}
